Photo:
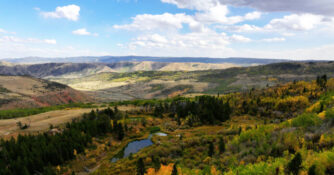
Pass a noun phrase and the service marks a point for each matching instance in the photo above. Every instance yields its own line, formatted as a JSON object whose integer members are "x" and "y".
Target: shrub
{"x": 306, "y": 120}
{"x": 329, "y": 114}
{"x": 154, "y": 129}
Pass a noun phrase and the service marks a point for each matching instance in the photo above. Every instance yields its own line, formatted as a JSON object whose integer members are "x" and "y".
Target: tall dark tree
{"x": 322, "y": 81}
{"x": 156, "y": 163}
{"x": 120, "y": 131}
{"x": 174, "y": 171}
{"x": 295, "y": 164}
{"x": 312, "y": 170}
{"x": 211, "y": 149}
{"x": 221, "y": 146}
{"x": 141, "y": 167}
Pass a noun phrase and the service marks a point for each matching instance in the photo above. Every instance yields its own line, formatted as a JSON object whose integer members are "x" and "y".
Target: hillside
{"x": 152, "y": 84}
{"x": 285, "y": 129}
{"x": 26, "y": 92}
{"x": 76, "y": 70}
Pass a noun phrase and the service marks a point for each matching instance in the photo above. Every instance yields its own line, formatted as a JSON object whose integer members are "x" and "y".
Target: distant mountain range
{"x": 114, "y": 59}
{"x": 75, "y": 70}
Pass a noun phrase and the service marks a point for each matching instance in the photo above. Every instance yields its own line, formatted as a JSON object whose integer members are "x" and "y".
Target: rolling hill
{"x": 26, "y": 92}
{"x": 75, "y": 70}
{"x": 161, "y": 84}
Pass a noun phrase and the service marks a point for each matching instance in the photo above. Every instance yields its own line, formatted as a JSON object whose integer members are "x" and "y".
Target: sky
{"x": 283, "y": 29}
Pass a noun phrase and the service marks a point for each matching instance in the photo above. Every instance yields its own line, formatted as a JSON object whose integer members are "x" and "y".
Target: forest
{"x": 283, "y": 129}
{"x": 34, "y": 154}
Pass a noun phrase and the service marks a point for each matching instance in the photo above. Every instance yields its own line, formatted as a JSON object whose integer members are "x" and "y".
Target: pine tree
{"x": 174, "y": 172}
{"x": 221, "y": 146}
{"x": 295, "y": 164}
{"x": 211, "y": 149}
{"x": 312, "y": 170}
{"x": 156, "y": 163}
{"x": 141, "y": 167}
{"x": 120, "y": 131}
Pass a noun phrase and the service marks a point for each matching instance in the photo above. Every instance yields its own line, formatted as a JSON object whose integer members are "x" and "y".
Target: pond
{"x": 135, "y": 146}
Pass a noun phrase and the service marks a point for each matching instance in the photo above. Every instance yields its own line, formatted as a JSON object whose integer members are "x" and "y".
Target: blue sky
{"x": 302, "y": 29}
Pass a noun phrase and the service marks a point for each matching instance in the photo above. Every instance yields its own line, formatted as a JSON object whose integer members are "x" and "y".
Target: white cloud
{"x": 241, "y": 28}
{"x": 324, "y": 52}
{"x": 240, "y": 38}
{"x": 70, "y": 12}
{"x": 50, "y": 41}
{"x": 211, "y": 14}
{"x": 276, "y": 39}
{"x": 295, "y": 22}
{"x": 83, "y": 31}
{"x": 196, "y": 41}
{"x": 322, "y": 7}
{"x": 253, "y": 15}
{"x": 165, "y": 21}
{"x": 193, "y": 4}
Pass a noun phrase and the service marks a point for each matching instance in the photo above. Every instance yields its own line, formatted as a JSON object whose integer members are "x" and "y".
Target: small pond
{"x": 135, "y": 146}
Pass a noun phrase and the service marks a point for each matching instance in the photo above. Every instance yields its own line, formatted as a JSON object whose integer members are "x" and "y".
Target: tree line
{"x": 37, "y": 154}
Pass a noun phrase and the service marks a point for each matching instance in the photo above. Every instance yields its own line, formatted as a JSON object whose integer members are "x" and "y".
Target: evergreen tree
{"x": 156, "y": 163}
{"x": 221, "y": 146}
{"x": 174, "y": 172}
{"x": 295, "y": 164}
{"x": 120, "y": 131}
{"x": 312, "y": 170}
{"x": 141, "y": 167}
{"x": 211, "y": 149}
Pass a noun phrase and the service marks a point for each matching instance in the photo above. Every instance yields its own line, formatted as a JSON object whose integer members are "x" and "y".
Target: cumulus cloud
{"x": 70, "y": 12}
{"x": 322, "y": 7}
{"x": 50, "y": 41}
{"x": 193, "y": 4}
{"x": 241, "y": 28}
{"x": 276, "y": 39}
{"x": 295, "y": 22}
{"x": 83, "y": 31}
{"x": 204, "y": 40}
{"x": 165, "y": 21}
{"x": 240, "y": 38}
{"x": 213, "y": 14}
{"x": 286, "y": 25}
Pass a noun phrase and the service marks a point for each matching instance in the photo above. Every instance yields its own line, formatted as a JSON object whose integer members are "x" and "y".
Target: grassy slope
{"x": 160, "y": 84}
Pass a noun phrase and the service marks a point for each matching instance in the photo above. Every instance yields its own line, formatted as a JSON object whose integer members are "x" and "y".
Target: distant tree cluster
{"x": 35, "y": 154}
{"x": 203, "y": 110}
